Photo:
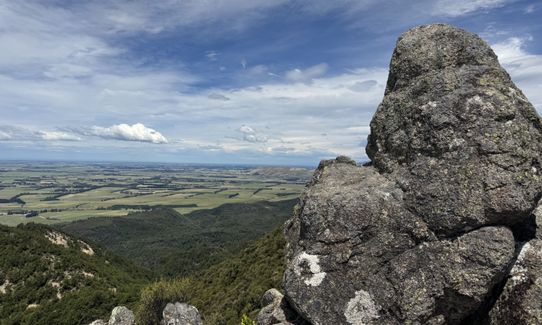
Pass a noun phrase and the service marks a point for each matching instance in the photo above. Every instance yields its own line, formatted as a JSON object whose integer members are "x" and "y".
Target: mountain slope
{"x": 173, "y": 244}
{"x": 226, "y": 291}
{"x": 47, "y": 277}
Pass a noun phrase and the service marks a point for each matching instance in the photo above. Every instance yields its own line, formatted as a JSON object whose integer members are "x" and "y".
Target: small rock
{"x": 276, "y": 310}
{"x": 181, "y": 314}
{"x": 121, "y": 316}
{"x": 520, "y": 302}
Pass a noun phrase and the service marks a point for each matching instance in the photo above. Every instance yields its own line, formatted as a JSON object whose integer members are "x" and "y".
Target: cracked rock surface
{"x": 422, "y": 235}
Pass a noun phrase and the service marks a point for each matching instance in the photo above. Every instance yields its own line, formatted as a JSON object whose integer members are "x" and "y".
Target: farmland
{"x": 53, "y": 193}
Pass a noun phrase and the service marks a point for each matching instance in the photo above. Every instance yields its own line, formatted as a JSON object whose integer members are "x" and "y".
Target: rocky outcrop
{"x": 181, "y": 314}
{"x": 121, "y": 316}
{"x": 423, "y": 235}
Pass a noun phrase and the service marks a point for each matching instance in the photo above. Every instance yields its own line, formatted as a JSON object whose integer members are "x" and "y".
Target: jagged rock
{"x": 121, "y": 316}
{"x": 277, "y": 311}
{"x": 356, "y": 255}
{"x": 521, "y": 300}
{"x": 456, "y": 133}
{"x": 421, "y": 236}
{"x": 181, "y": 314}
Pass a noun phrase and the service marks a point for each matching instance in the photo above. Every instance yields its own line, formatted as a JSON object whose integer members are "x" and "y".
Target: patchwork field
{"x": 63, "y": 192}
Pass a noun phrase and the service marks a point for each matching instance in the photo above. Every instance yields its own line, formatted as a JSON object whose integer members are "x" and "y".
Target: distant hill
{"x": 173, "y": 244}
{"x": 48, "y": 277}
{"x": 226, "y": 291}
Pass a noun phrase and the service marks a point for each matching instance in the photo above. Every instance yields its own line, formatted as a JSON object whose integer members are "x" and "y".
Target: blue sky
{"x": 232, "y": 81}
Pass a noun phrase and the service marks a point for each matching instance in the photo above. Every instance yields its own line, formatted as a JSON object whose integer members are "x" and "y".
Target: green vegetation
{"x": 53, "y": 193}
{"x": 47, "y": 277}
{"x": 226, "y": 291}
{"x": 174, "y": 244}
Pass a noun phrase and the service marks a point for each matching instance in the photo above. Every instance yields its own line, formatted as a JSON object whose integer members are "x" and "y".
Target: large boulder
{"x": 421, "y": 235}
{"x": 456, "y": 133}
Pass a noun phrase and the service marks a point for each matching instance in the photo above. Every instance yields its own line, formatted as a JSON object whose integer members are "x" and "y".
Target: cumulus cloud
{"x": 250, "y": 135}
{"x": 58, "y": 136}
{"x": 125, "y": 132}
{"x": 299, "y": 75}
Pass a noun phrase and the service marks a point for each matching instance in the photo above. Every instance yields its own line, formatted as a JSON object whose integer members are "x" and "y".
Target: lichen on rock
{"x": 422, "y": 235}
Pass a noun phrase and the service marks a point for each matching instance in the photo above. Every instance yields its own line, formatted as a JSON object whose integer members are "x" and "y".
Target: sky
{"x": 270, "y": 82}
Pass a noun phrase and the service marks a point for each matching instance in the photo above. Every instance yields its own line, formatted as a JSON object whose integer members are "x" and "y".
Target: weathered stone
{"x": 422, "y": 235}
{"x": 277, "y": 311}
{"x": 121, "y": 316}
{"x": 181, "y": 314}
{"x": 521, "y": 300}
{"x": 356, "y": 255}
{"x": 456, "y": 133}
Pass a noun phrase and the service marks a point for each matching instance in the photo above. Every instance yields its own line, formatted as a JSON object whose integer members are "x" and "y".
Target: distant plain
{"x": 52, "y": 193}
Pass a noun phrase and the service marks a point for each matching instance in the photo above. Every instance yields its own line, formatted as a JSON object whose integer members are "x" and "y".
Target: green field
{"x": 53, "y": 193}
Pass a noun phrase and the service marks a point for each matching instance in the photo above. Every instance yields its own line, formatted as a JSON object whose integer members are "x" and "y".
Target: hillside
{"x": 226, "y": 291}
{"x": 172, "y": 244}
{"x": 47, "y": 277}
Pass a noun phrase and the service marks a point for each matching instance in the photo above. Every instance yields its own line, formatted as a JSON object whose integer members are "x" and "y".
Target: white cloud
{"x": 299, "y": 75}
{"x": 212, "y": 55}
{"x": 135, "y": 132}
{"x": 525, "y": 68}
{"x": 250, "y": 135}
{"x": 4, "y": 136}
{"x": 455, "y": 8}
{"x": 510, "y": 49}
{"x": 58, "y": 136}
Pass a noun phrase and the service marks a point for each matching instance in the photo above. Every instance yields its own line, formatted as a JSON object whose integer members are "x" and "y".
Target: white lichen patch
{"x": 5, "y": 287}
{"x": 361, "y": 310}
{"x": 57, "y": 285}
{"x": 519, "y": 272}
{"x": 307, "y": 266}
{"x": 57, "y": 238}
{"x": 85, "y": 248}
{"x": 87, "y": 274}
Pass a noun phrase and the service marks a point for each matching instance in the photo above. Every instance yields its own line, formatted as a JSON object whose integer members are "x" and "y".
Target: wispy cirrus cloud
{"x": 58, "y": 136}
{"x": 456, "y": 8}
{"x": 524, "y": 67}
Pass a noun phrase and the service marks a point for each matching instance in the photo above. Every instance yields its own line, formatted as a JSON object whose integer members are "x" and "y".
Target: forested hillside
{"x": 226, "y": 291}
{"x": 173, "y": 244}
{"x": 47, "y": 277}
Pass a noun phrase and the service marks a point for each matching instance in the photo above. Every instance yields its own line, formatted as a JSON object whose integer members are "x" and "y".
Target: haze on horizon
{"x": 238, "y": 81}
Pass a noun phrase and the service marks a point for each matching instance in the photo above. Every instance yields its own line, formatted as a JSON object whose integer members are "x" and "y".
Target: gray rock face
{"x": 521, "y": 300}
{"x": 121, "y": 316}
{"x": 181, "y": 314}
{"x": 456, "y": 133}
{"x": 422, "y": 236}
